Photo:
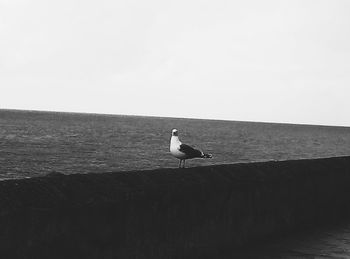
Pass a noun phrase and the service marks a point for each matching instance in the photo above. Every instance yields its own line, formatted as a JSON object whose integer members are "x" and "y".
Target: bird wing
{"x": 190, "y": 151}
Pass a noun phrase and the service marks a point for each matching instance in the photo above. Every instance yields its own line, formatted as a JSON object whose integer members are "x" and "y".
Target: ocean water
{"x": 38, "y": 143}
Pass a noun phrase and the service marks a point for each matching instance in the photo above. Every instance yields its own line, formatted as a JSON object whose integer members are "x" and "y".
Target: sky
{"x": 252, "y": 60}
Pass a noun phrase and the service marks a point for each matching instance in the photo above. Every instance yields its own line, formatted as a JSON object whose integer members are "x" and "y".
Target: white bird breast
{"x": 174, "y": 148}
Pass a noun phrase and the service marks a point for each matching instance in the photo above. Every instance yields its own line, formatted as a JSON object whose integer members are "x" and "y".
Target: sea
{"x": 34, "y": 143}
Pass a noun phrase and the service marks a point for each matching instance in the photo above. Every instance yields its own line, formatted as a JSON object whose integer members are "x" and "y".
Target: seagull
{"x": 183, "y": 151}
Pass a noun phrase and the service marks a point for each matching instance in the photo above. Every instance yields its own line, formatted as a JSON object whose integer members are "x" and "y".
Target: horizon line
{"x": 170, "y": 117}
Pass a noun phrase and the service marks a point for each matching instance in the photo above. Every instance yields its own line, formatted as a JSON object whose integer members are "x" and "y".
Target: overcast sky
{"x": 251, "y": 60}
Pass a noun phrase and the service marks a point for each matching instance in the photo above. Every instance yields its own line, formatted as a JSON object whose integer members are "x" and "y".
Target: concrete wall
{"x": 168, "y": 213}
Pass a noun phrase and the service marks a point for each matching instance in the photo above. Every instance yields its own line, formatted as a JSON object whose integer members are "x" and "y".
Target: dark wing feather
{"x": 190, "y": 151}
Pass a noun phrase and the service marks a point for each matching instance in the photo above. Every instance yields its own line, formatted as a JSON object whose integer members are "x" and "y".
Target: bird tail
{"x": 207, "y": 155}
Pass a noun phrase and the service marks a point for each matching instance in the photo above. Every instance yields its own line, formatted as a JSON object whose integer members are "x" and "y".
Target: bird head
{"x": 174, "y": 132}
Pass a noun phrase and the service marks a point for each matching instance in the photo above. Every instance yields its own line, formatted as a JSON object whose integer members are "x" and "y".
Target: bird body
{"x": 183, "y": 151}
{"x": 175, "y": 144}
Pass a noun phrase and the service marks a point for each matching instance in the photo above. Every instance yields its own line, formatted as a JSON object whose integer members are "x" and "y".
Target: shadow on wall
{"x": 168, "y": 213}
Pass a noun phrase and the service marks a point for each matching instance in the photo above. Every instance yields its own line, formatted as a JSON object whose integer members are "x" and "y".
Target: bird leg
{"x": 180, "y": 163}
